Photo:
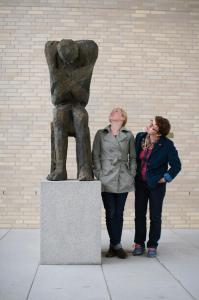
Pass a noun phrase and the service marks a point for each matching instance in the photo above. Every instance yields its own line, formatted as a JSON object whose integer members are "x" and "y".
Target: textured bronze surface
{"x": 70, "y": 65}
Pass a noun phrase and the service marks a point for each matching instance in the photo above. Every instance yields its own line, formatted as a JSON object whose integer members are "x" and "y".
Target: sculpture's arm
{"x": 88, "y": 53}
{"x": 81, "y": 93}
{"x": 81, "y": 84}
{"x": 93, "y": 52}
{"x": 88, "y": 50}
{"x": 51, "y": 53}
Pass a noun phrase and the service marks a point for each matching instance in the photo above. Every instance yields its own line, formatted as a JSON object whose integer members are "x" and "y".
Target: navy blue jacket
{"x": 163, "y": 154}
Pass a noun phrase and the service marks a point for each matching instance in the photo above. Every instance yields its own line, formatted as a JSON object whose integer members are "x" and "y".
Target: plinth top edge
{"x": 70, "y": 181}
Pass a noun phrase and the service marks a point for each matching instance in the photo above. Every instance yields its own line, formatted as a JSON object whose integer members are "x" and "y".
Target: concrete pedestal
{"x": 70, "y": 222}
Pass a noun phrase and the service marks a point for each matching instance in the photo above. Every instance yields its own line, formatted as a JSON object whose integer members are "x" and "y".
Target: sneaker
{"x": 138, "y": 250}
{"x": 120, "y": 253}
{"x": 110, "y": 253}
{"x": 152, "y": 252}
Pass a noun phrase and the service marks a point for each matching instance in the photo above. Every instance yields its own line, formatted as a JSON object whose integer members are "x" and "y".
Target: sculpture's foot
{"x": 85, "y": 174}
{"x": 57, "y": 176}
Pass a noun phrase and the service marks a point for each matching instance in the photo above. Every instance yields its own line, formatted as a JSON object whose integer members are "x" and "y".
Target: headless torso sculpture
{"x": 70, "y": 65}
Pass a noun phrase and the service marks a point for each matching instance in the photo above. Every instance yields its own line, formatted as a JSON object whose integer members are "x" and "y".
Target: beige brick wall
{"x": 148, "y": 64}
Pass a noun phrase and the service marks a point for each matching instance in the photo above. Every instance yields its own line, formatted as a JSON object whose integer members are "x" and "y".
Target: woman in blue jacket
{"x": 154, "y": 152}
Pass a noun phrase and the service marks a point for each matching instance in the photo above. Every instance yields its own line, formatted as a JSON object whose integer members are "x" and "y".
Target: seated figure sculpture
{"x": 70, "y": 66}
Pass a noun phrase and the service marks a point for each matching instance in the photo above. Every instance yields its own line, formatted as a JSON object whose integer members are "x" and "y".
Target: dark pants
{"x": 114, "y": 207}
{"x": 143, "y": 195}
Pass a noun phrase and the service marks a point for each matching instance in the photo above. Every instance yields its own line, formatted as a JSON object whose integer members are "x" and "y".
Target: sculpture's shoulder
{"x": 88, "y": 44}
{"x": 51, "y": 45}
{"x": 50, "y": 50}
{"x": 88, "y": 50}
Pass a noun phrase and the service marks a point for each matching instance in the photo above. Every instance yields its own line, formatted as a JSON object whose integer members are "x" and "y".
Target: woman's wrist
{"x": 167, "y": 177}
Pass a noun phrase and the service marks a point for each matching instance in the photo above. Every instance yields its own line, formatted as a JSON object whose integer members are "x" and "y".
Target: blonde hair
{"x": 124, "y": 115}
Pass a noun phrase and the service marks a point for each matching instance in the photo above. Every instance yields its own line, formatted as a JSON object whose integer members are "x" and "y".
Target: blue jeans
{"x": 143, "y": 195}
{"x": 114, "y": 206}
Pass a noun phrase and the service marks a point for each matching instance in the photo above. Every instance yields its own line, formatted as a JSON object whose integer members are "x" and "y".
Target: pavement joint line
{"x": 5, "y": 234}
{"x": 179, "y": 235}
{"x": 176, "y": 279}
{"x": 109, "y": 293}
{"x": 32, "y": 282}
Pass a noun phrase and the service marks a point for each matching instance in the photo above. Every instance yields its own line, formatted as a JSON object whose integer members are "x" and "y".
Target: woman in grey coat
{"x": 114, "y": 161}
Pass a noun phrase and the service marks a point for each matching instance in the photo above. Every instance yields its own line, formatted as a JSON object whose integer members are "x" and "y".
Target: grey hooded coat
{"x": 114, "y": 160}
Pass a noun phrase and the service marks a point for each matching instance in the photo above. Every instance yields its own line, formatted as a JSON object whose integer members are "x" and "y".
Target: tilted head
{"x": 119, "y": 115}
{"x": 68, "y": 51}
{"x": 163, "y": 125}
{"x": 159, "y": 125}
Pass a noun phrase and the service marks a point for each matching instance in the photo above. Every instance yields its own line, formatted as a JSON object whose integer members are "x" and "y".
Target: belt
{"x": 114, "y": 161}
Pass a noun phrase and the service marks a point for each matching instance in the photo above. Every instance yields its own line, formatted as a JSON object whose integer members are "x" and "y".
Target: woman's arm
{"x": 174, "y": 163}
{"x": 132, "y": 156}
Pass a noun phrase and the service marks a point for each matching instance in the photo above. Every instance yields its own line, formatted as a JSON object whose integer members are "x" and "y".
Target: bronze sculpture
{"x": 70, "y": 66}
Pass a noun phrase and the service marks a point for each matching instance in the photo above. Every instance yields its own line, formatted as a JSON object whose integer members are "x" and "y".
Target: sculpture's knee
{"x": 62, "y": 119}
{"x": 80, "y": 117}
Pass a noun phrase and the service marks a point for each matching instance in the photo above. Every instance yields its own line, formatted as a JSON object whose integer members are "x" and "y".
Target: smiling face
{"x": 116, "y": 115}
{"x": 153, "y": 128}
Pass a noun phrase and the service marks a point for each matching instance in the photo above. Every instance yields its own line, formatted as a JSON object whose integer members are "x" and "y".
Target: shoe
{"x": 152, "y": 252}
{"x": 111, "y": 252}
{"x": 120, "y": 253}
{"x": 138, "y": 250}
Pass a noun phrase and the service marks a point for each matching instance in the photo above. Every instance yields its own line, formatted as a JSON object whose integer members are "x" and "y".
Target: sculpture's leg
{"x": 53, "y": 157}
{"x": 83, "y": 145}
{"x": 60, "y": 121}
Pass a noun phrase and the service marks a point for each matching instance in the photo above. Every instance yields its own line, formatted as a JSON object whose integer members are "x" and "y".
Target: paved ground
{"x": 173, "y": 275}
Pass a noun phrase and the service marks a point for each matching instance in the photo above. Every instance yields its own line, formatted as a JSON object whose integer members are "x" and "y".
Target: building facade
{"x": 148, "y": 64}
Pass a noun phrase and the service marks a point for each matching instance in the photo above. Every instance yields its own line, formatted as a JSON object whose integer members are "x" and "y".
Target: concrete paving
{"x": 172, "y": 275}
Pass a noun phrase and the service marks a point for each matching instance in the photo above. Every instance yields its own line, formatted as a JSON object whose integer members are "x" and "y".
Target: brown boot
{"x": 111, "y": 252}
{"x": 120, "y": 253}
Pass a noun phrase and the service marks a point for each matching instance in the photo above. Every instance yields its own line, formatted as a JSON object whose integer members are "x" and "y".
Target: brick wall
{"x": 148, "y": 63}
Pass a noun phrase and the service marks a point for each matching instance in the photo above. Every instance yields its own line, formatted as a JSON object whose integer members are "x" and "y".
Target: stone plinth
{"x": 70, "y": 222}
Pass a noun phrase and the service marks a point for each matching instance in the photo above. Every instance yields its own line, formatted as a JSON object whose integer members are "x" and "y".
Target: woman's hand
{"x": 162, "y": 180}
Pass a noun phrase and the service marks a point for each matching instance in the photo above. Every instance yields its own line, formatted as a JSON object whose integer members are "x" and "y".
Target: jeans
{"x": 114, "y": 206}
{"x": 143, "y": 195}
